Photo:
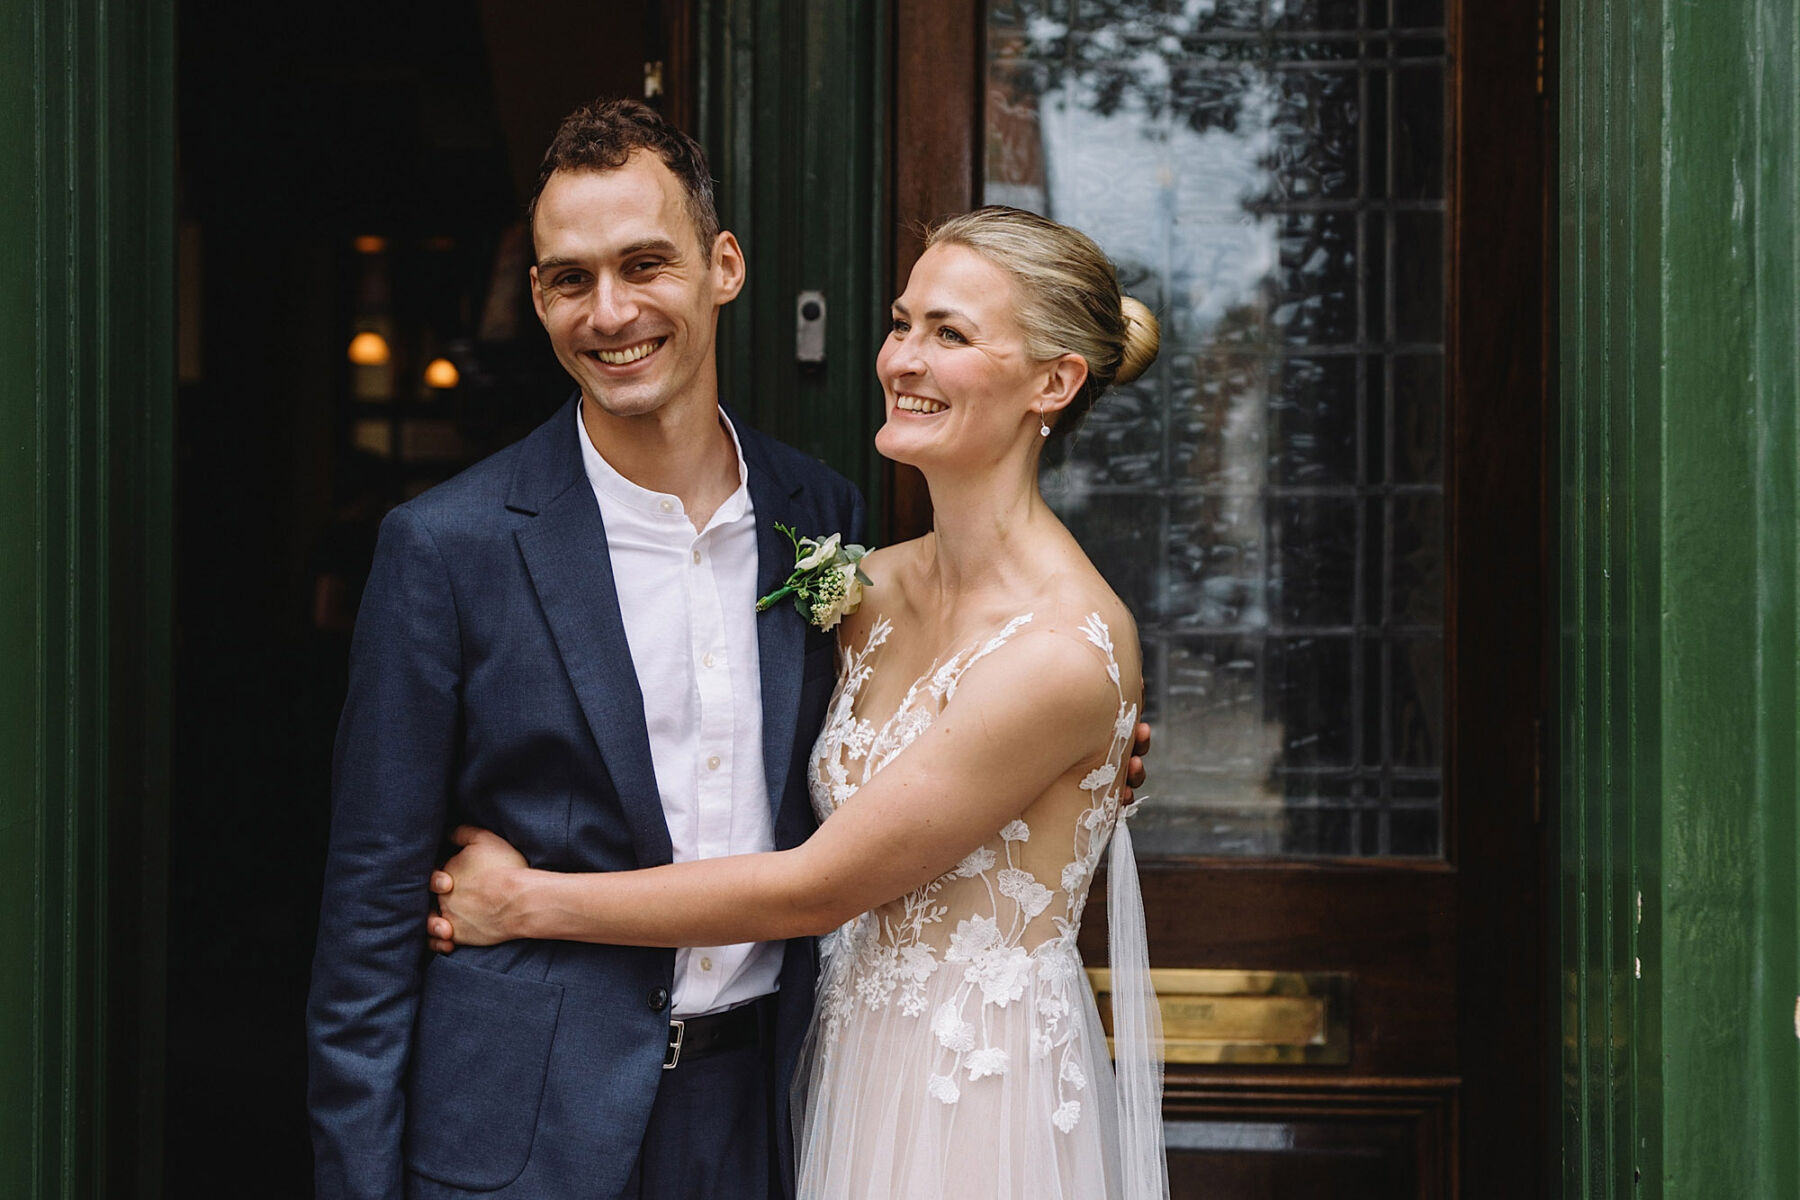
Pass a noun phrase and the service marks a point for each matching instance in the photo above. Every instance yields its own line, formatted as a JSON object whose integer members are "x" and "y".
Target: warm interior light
{"x": 370, "y": 243}
{"x": 368, "y": 349}
{"x": 441, "y": 373}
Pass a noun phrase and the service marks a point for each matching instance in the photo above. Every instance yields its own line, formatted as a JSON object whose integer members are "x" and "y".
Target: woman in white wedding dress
{"x": 968, "y": 781}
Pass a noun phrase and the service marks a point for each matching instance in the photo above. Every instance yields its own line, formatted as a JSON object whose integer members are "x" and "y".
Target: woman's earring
{"x": 1043, "y": 426}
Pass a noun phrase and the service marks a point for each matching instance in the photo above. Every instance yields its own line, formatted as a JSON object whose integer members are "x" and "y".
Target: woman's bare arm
{"x": 1023, "y": 717}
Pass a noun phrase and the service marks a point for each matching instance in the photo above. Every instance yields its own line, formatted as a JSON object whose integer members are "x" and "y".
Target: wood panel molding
{"x": 935, "y": 174}
{"x": 1325, "y": 1129}
{"x": 1498, "y": 682}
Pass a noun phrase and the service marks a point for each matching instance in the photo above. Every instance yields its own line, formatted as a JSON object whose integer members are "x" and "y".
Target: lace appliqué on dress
{"x": 884, "y": 958}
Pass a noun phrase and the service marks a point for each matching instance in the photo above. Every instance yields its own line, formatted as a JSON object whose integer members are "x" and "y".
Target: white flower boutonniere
{"x": 826, "y": 582}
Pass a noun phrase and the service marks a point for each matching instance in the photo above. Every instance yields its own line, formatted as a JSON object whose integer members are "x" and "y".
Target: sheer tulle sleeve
{"x": 1137, "y": 1027}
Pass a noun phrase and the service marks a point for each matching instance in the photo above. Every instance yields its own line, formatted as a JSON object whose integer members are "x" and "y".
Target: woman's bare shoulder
{"x": 890, "y": 558}
{"x": 885, "y": 593}
{"x": 1080, "y": 604}
{"x": 1054, "y": 680}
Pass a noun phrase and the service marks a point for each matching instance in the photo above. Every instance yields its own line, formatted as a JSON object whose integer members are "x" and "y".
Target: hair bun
{"x": 1143, "y": 337}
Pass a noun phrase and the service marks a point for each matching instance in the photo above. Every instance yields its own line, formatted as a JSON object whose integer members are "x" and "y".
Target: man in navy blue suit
{"x": 560, "y": 645}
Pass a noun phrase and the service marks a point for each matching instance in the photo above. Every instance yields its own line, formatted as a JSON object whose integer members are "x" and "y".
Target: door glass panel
{"x": 1268, "y": 175}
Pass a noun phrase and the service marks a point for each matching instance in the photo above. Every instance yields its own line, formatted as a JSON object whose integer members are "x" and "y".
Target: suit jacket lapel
{"x": 780, "y": 632}
{"x": 565, "y": 555}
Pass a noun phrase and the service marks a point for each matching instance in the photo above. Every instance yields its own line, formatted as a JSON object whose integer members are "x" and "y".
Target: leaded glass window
{"x": 1269, "y": 177}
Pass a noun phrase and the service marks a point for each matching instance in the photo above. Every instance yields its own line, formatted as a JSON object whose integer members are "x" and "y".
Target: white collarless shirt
{"x": 688, "y": 601}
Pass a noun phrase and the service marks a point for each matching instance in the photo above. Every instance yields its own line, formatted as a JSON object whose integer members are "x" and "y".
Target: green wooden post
{"x": 793, "y": 111}
{"x": 1681, "y": 538}
{"x": 18, "y": 618}
{"x": 86, "y": 384}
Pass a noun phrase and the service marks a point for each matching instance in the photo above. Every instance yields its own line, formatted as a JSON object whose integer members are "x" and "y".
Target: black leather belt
{"x": 715, "y": 1033}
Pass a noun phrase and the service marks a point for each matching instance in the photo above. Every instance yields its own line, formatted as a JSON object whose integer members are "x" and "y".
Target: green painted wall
{"x": 1680, "y": 253}
{"x": 793, "y": 112}
{"x": 86, "y": 380}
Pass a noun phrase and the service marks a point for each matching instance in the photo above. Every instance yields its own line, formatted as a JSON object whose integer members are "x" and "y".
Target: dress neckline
{"x": 852, "y": 739}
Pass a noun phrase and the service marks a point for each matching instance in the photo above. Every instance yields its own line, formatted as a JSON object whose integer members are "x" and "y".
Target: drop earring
{"x": 1043, "y": 426}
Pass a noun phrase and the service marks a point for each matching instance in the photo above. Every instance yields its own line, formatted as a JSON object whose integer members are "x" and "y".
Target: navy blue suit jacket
{"x": 491, "y": 683}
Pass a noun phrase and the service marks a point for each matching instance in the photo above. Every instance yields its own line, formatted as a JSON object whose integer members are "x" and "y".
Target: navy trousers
{"x": 712, "y": 1129}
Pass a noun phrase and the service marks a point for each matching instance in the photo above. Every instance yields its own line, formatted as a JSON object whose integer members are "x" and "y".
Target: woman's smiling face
{"x": 957, "y": 379}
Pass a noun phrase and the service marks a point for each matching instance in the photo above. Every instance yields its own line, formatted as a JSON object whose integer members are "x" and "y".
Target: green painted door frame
{"x": 86, "y": 417}
{"x": 793, "y": 111}
{"x": 1680, "y": 266}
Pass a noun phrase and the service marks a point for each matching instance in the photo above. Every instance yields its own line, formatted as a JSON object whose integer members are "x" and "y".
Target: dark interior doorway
{"x": 345, "y": 169}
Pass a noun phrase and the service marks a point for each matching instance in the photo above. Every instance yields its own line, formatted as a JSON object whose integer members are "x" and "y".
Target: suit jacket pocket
{"x": 481, "y": 1054}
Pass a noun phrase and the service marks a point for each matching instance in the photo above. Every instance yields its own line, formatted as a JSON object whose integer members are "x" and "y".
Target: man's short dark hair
{"x": 602, "y": 135}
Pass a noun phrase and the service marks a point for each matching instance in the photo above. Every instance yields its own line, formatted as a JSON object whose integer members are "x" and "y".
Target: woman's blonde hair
{"x": 1069, "y": 298}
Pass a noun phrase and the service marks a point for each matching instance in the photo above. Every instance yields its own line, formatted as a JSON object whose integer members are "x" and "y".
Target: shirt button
{"x": 658, "y": 999}
{"x": 712, "y": 764}
{"x": 707, "y": 661}
{"x": 668, "y": 506}
{"x": 706, "y": 964}
{"x": 696, "y": 557}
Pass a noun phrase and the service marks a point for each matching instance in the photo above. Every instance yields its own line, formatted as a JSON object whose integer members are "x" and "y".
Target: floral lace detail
{"x": 883, "y": 958}
{"x": 1096, "y": 823}
{"x": 844, "y": 733}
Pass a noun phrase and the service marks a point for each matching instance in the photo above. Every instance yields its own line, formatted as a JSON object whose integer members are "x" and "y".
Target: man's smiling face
{"x": 630, "y": 301}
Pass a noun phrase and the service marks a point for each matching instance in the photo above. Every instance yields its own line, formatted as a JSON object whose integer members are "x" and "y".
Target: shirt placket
{"x": 712, "y": 674}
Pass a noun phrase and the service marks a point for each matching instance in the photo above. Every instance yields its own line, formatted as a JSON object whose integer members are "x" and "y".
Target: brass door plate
{"x": 1231, "y": 1016}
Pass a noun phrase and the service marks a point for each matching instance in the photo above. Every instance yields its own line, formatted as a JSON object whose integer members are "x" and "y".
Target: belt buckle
{"x": 677, "y": 1031}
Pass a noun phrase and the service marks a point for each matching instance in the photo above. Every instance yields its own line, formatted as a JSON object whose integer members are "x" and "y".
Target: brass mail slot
{"x": 1229, "y": 1016}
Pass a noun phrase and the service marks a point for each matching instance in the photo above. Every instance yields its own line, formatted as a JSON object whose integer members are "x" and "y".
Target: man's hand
{"x": 474, "y": 891}
{"x": 1134, "y": 770}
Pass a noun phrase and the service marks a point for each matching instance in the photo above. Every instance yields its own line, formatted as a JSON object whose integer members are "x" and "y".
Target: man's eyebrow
{"x": 661, "y": 245}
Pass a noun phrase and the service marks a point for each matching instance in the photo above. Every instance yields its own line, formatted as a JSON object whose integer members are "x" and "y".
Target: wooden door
{"x": 1325, "y": 506}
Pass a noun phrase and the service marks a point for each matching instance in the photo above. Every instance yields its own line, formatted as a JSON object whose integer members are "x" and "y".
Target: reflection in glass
{"x": 1268, "y": 175}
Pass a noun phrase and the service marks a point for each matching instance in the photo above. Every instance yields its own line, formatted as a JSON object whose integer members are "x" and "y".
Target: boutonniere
{"x": 826, "y": 582}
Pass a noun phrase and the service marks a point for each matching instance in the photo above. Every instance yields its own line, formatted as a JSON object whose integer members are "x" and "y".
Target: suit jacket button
{"x": 659, "y": 999}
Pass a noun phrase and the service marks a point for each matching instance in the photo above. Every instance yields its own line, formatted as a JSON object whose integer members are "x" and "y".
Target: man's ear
{"x": 1063, "y": 377}
{"x": 727, "y": 267}
{"x": 537, "y": 298}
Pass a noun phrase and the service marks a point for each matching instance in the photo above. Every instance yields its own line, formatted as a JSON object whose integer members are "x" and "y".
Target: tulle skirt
{"x": 887, "y": 1109}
